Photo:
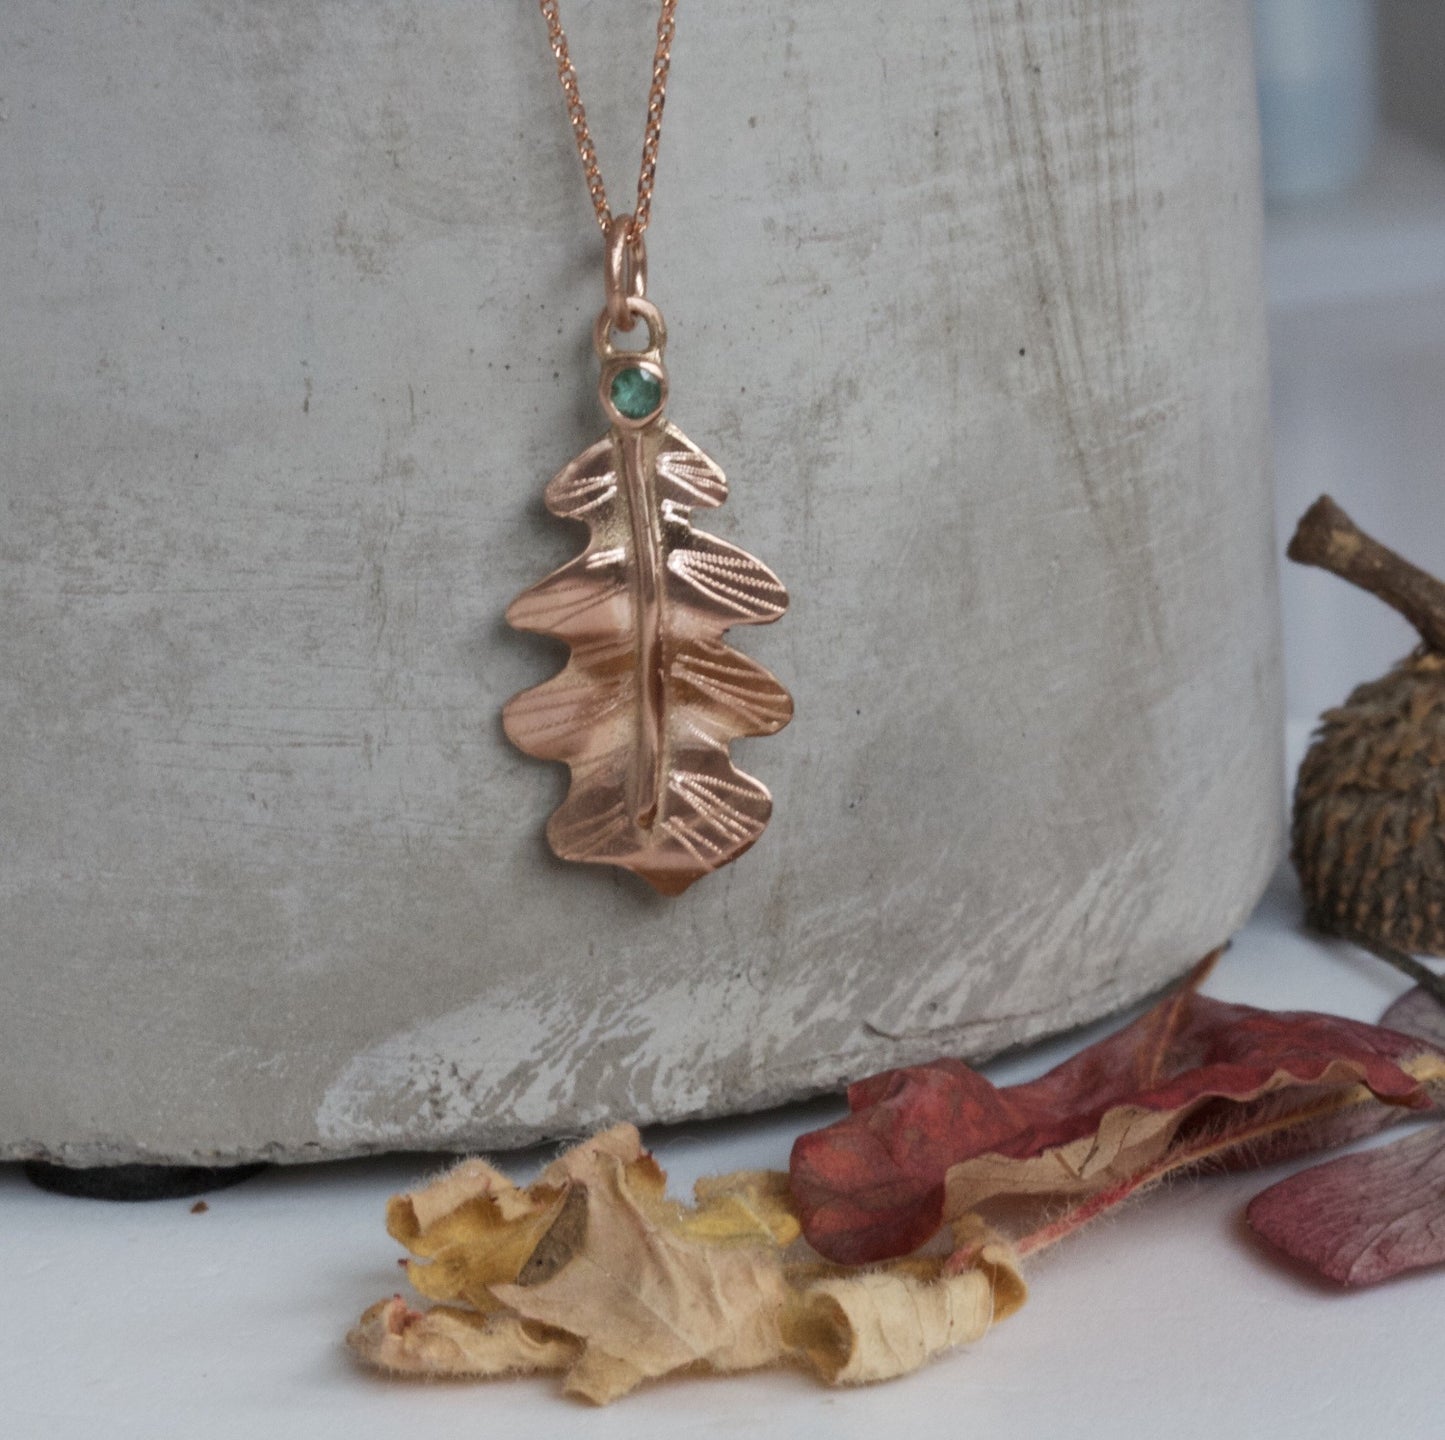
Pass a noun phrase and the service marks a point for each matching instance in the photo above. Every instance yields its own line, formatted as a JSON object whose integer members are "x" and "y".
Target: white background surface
{"x": 1164, "y": 1321}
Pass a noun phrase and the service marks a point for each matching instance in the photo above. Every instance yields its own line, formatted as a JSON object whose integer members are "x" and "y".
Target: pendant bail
{"x": 626, "y": 274}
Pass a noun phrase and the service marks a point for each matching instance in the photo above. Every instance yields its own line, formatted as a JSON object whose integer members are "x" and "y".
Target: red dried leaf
{"x": 1417, "y": 1012}
{"x": 1369, "y": 1216}
{"x": 1193, "y": 1078}
{"x": 1363, "y": 1218}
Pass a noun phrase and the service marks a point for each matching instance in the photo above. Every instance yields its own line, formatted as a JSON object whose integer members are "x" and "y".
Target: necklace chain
{"x": 577, "y": 114}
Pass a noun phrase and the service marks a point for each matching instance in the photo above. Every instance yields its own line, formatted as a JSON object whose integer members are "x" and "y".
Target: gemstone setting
{"x": 635, "y": 393}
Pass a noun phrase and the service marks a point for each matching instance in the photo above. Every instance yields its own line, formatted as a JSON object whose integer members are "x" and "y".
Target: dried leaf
{"x": 1365, "y": 1217}
{"x": 860, "y": 1327}
{"x": 641, "y": 1293}
{"x": 1374, "y": 1215}
{"x": 1417, "y": 1012}
{"x": 449, "y": 1341}
{"x": 474, "y": 1228}
{"x": 595, "y": 1273}
{"x": 1194, "y": 1079}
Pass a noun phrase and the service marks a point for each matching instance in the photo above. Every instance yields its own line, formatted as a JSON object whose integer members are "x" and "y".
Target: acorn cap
{"x": 1369, "y": 805}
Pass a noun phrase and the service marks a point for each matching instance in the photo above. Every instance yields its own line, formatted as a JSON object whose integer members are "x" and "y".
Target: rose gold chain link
{"x": 577, "y": 114}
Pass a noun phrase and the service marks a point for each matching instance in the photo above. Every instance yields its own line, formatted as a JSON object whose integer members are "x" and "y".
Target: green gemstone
{"x": 635, "y": 393}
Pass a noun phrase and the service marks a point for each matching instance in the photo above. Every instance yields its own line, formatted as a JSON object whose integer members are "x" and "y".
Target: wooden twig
{"x": 1421, "y": 974}
{"x": 1328, "y": 538}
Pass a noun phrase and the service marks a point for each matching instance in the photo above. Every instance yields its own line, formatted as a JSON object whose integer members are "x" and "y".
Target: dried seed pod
{"x": 1369, "y": 806}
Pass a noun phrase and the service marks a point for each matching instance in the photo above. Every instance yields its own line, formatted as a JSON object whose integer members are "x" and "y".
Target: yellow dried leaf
{"x": 472, "y": 1229}
{"x": 858, "y": 1326}
{"x": 849, "y": 1327}
{"x": 751, "y": 1204}
{"x": 643, "y": 1296}
{"x": 449, "y": 1341}
{"x": 595, "y": 1272}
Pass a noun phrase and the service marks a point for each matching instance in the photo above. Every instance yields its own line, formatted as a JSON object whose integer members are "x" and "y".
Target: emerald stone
{"x": 635, "y": 393}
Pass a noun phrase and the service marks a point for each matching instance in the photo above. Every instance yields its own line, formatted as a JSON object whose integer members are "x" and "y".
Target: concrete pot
{"x": 965, "y": 299}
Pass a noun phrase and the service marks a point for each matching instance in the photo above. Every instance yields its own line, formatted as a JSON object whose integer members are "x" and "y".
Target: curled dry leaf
{"x": 447, "y": 1340}
{"x": 594, "y": 1273}
{"x": 1191, "y": 1081}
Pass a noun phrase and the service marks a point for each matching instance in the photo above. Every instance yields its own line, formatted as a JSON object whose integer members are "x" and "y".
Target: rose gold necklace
{"x": 652, "y": 696}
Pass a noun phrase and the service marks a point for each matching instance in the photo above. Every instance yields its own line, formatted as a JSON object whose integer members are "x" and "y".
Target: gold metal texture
{"x": 577, "y": 115}
{"x": 626, "y": 277}
{"x": 651, "y": 697}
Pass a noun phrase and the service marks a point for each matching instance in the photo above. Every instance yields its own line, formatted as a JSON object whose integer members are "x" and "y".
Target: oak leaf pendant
{"x": 651, "y": 696}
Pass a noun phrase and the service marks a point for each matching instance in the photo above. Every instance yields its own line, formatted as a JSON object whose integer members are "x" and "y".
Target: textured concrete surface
{"x": 298, "y": 301}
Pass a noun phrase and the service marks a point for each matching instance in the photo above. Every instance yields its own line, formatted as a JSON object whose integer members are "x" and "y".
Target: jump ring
{"x": 637, "y": 309}
{"x": 626, "y": 270}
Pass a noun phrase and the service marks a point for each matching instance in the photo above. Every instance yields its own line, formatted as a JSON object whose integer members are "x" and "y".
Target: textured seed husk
{"x": 1369, "y": 806}
{"x": 1369, "y": 811}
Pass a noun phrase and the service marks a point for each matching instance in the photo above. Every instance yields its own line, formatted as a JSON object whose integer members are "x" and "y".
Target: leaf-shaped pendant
{"x": 651, "y": 697}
